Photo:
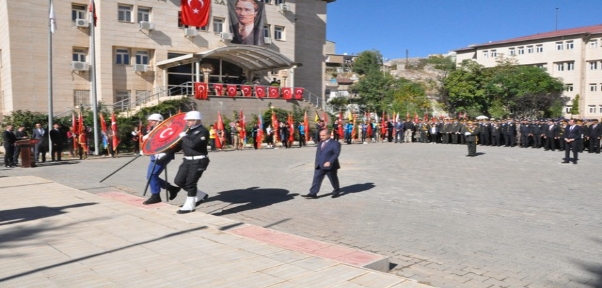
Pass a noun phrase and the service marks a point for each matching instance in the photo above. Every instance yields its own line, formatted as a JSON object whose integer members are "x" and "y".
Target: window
{"x": 485, "y": 54}
{"x": 521, "y": 50}
{"x": 266, "y": 30}
{"x": 122, "y": 96}
{"x": 79, "y": 54}
{"x": 542, "y": 66}
{"x": 568, "y": 88}
{"x": 266, "y": 1}
{"x": 511, "y": 51}
{"x": 78, "y": 12}
{"x": 122, "y": 56}
{"x": 592, "y": 108}
{"x": 539, "y": 48}
{"x": 278, "y": 32}
{"x": 278, "y": 2}
{"x": 530, "y": 49}
{"x": 569, "y": 45}
{"x": 593, "y": 44}
{"x": 593, "y": 65}
{"x": 81, "y": 97}
{"x": 559, "y": 66}
{"x": 218, "y": 25}
{"x": 144, "y": 14}
{"x": 559, "y": 46}
{"x": 599, "y": 108}
{"x": 493, "y": 53}
{"x": 567, "y": 109}
{"x": 570, "y": 66}
{"x": 124, "y": 13}
{"x": 142, "y": 57}
{"x": 593, "y": 87}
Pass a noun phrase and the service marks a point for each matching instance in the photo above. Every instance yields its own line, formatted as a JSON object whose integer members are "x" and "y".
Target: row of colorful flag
{"x": 201, "y": 91}
{"x": 78, "y": 127}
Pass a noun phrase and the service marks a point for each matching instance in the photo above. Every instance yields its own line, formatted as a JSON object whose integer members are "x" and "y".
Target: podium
{"x": 25, "y": 145}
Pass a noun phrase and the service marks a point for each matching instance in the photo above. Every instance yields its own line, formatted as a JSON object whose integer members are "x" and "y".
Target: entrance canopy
{"x": 248, "y": 57}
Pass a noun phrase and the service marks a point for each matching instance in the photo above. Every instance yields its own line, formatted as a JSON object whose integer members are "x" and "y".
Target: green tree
{"x": 575, "y": 105}
{"x": 463, "y": 88}
{"x": 368, "y": 62}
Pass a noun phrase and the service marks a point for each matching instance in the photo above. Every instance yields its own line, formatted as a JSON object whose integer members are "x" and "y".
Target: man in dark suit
{"x": 40, "y": 134}
{"x": 326, "y": 164}
{"x": 572, "y": 137}
{"x": 9, "y": 139}
{"x": 595, "y": 132}
{"x": 58, "y": 141}
{"x": 551, "y": 135}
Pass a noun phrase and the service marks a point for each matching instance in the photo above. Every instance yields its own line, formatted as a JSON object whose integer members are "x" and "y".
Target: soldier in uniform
{"x": 551, "y": 136}
{"x": 536, "y": 132}
{"x": 496, "y": 133}
{"x": 525, "y": 134}
{"x": 470, "y": 132}
{"x": 424, "y": 132}
{"x": 455, "y": 131}
{"x": 584, "y": 131}
{"x": 561, "y": 128}
{"x": 194, "y": 145}
{"x": 595, "y": 132}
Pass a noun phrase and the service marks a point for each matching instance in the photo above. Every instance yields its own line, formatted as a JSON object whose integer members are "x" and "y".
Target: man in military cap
{"x": 525, "y": 133}
{"x": 536, "y": 133}
{"x": 470, "y": 132}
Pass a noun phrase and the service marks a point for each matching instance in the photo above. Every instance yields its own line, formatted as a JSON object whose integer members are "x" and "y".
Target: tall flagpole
{"x": 92, "y": 18}
{"x": 51, "y": 28}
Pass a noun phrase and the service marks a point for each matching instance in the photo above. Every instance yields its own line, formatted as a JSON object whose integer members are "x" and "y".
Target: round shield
{"x": 165, "y": 135}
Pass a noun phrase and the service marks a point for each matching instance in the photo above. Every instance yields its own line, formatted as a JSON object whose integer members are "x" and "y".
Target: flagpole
{"x": 50, "y": 108}
{"x": 93, "y": 75}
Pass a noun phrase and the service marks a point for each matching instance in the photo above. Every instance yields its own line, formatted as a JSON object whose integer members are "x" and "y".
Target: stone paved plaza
{"x": 509, "y": 217}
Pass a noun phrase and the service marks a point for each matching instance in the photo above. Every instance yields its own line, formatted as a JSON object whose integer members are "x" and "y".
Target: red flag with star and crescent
{"x": 200, "y": 90}
{"x": 231, "y": 90}
{"x": 299, "y": 93}
{"x": 246, "y": 90}
{"x": 219, "y": 89}
{"x": 260, "y": 91}
{"x": 195, "y": 12}
{"x": 273, "y": 92}
{"x": 287, "y": 93}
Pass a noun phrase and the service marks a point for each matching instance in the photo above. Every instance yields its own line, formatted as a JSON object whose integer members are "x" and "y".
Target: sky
{"x": 424, "y": 27}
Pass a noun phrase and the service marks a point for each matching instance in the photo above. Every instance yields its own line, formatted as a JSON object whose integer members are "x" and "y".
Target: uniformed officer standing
{"x": 194, "y": 145}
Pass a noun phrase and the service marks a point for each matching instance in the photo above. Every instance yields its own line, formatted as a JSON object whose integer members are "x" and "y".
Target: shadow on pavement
{"x": 593, "y": 268}
{"x": 19, "y": 215}
{"x": 74, "y": 260}
{"x": 355, "y": 188}
{"x": 250, "y": 198}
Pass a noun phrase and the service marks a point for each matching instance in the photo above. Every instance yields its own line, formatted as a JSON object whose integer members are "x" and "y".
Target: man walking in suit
{"x": 572, "y": 136}
{"x": 58, "y": 141}
{"x": 39, "y": 133}
{"x": 326, "y": 164}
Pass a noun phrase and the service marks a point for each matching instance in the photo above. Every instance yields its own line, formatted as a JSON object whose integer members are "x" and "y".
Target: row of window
{"x": 122, "y": 56}
{"x": 530, "y": 49}
{"x": 125, "y": 12}
{"x": 276, "y": 2}
{"x": 592, "y": 109}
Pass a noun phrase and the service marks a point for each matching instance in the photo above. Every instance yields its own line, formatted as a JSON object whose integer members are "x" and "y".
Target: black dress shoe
{"x": 173, "y": 191}
{"x": 564, "y": 162}
{"x": 310, "y": 196}
{"x": 184, "y": 211}
{"x": 201, "y": 201}
{"x": 155, "y": 198}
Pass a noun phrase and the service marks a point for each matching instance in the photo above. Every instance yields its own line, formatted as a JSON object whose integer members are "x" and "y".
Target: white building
{"x": 572, "y": 55}
{"x": 135, "y": 44}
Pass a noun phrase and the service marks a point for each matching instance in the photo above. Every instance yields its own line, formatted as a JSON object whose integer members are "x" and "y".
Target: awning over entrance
{"x": 248, "y": 57}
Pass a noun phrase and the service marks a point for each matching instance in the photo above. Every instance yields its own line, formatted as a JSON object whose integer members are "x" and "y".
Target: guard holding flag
{"x": 194, "y": 145}
{"x": 157, "y": 164}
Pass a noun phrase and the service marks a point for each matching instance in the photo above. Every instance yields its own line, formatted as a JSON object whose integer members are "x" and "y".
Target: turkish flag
{"x": 231, "y": 90}
{"x": 260, "y": 91}
{"x": 92, "y": 9}
{"x": 115, "y": 132}
{"x": 273, "y": 92}
{"x": 219, "y": 89}
{"x": 200, "y": 90}
{"x": 299, "y": 93}
{"x": 287, "y": 93}
{"x": 195, "y": 12}
{"x": 246, "y": 90}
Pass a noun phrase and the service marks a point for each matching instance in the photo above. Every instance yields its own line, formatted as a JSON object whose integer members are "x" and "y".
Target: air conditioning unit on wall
{"x": 190, "y": 32}
{"x": 284, "y": 7}
{"x": 82, "y": 23}
{"x": 225, "y": 36}
{"x": 79, "y": 66}
{"x": 140, "y": 67}
{"x": 145, "y": 25}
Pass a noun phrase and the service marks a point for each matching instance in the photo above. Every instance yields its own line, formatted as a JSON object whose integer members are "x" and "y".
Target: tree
{"x": 463, "y": 88}
{"x": 575, "y": 105}
{"x": 367, "y": 62}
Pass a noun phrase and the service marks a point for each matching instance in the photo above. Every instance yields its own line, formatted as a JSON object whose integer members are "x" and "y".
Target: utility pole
{"x": 556, "y": 21}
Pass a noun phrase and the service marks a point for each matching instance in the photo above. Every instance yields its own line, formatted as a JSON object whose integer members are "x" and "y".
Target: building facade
{"x": 572, "y": 55}
{"x": 133, "y": 36}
